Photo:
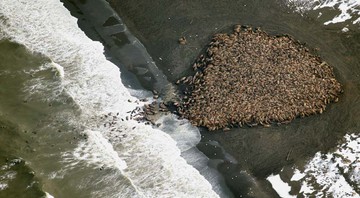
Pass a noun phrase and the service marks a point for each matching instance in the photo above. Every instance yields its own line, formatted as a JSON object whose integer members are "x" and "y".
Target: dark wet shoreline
{"x": 258, "y": 151}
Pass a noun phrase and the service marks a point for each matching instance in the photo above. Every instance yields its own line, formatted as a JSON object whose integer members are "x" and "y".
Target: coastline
{"x": 75, "y": 151}
{"x": 135, "y": 63}
{"x": 259, "y": 151}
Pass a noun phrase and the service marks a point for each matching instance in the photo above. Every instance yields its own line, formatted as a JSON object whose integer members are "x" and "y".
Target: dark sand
{"x": 258, "y": 151}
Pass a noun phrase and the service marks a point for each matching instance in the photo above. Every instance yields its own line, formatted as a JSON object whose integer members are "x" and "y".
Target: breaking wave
{"x": 145, "y": 161}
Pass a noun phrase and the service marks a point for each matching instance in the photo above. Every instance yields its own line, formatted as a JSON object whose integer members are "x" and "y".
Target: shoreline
{"x": 157, "y": 82}
{"x": 261, "y": 152}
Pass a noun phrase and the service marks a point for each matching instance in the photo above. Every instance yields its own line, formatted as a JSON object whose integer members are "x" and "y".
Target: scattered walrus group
{"x": 250, "y": 78}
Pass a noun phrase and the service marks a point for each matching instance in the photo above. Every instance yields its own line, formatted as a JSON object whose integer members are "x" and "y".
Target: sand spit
{"x": 250, "y": 78}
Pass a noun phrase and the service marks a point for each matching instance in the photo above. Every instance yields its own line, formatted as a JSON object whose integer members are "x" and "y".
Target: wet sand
{"x": 259, "y": 151}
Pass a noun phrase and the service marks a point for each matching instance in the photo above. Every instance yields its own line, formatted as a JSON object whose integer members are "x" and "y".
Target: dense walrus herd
{"x": 250, "y": 78}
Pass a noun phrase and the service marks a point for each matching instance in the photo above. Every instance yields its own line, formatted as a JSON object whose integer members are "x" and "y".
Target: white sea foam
{"x": 185, "y": 135}
{"x": 59, "y": 69}
{"x": 147, "y": 157}
{"x": 37, "y": 88}
{"x": 335, "y": 174}
{"x": 349, "y": 9}
{"x": 86, "y": 151}
{"x": 3, "y": 186}
{"x": 47, "y": 195}
{"x": 6, "y": 176}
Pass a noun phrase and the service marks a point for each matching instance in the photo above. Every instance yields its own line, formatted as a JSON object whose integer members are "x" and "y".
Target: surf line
{"x": 119, "y": 43}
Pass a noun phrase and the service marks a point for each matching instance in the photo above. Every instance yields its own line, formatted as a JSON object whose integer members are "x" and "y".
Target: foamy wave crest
{"x": 47, "y": 195}
{"x": 38, "y": 87}
{"x": 59, "y": 69}
{"x": 147, "y": 157}
{"x": 349, "y": 9}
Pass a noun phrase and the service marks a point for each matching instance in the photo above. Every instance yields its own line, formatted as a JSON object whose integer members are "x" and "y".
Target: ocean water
{"x": 64, "y": 117}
